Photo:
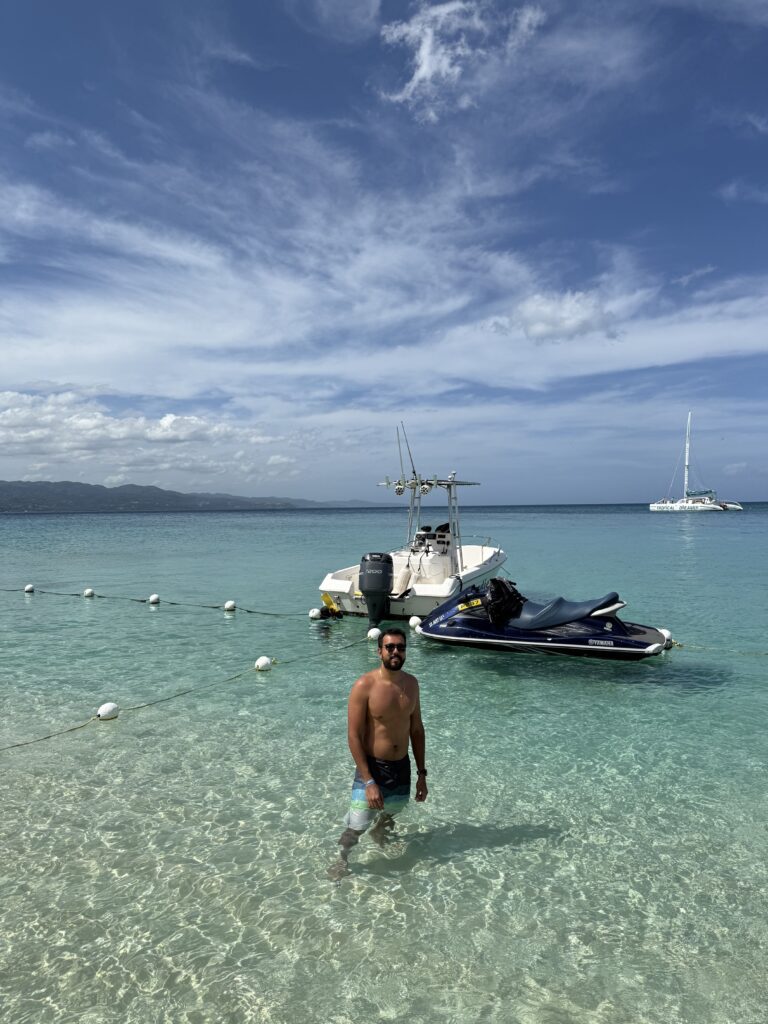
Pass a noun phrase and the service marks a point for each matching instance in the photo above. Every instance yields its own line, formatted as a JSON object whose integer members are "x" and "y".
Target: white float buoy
{"x": 315, "y": 613}
{"x": 414, "y": 621}
{"x": 263, "y": 664}
{"x": 229, "y": 606}
{"x": 374, "y": 633}
{"x": 154, "y": 599}
{"x": 29, "y": 589}
{"x": 88, "y": 592}
{"x": 107, "y": 711}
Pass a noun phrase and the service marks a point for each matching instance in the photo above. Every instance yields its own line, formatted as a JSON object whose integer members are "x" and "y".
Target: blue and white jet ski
{"x": 497, "y": 616}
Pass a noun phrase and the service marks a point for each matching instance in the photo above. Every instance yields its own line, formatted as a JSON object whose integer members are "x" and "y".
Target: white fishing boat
{"x": 433, "y": 565}
{"x": 693, "y": 501}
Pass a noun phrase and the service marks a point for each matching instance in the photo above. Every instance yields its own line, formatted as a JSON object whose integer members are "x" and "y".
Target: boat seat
{"x": 559, "y": 611}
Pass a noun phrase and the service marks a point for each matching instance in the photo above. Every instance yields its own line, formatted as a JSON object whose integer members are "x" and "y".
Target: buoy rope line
{"x": 189, "y": 689}
{"x": 179, "y": 693}
{"x": 294, "y": 615}
{"x": 50, "y": 736}
{"x": 146, "y": 600}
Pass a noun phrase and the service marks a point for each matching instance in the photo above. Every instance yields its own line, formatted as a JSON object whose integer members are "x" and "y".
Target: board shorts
{"x": 394, "y": 781}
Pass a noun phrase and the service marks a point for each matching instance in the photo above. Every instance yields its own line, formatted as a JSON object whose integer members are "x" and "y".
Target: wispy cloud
{"x": 743, "y": 192}
{"x": 536, "y": 66}
{"x": 448, "y": 41}
{"x": 758, "y": 122}
{"x": 337, "y": 19}
{"x": 225, "y": 51}
{"x": 747, "y": 12}
{"x": 685, "y": 279}
{"x": 48, "y": 140}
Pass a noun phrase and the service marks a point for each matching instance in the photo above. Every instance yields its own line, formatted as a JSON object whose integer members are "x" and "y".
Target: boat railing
{"x": 481, "y": 541}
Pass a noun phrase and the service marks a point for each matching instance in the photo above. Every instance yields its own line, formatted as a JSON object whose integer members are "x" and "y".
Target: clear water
{"x": 593, "y": 849}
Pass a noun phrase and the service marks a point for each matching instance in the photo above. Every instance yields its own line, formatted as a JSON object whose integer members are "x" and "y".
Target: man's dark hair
{"x": 395, "y": 631}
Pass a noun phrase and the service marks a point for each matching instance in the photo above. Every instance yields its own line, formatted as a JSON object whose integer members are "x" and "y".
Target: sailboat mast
{"x": 687, "y": 455}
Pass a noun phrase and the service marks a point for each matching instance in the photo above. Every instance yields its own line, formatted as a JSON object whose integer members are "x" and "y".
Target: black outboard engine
{"x": 503, "y": 601}
{"x": 376, "y": 584}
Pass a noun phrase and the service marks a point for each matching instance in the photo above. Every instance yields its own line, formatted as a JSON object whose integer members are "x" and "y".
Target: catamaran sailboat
{"x": 433, "y": 565}
{"x": 694, "y": 501}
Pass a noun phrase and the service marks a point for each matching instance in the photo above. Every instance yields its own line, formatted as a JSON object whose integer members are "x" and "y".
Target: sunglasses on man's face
{"x": 394, "y": 647}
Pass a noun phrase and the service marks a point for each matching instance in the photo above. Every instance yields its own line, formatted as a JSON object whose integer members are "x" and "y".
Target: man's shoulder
{"x": 365, "y": 681}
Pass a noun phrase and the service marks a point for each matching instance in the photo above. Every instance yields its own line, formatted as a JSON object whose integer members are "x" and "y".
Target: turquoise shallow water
{"x": 594, "y": 847}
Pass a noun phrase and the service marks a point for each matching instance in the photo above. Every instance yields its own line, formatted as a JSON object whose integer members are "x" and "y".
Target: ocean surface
{"x": 594, "y": 849}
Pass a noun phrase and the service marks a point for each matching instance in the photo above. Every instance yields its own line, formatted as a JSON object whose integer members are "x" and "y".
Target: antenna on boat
{"x": 400, "y": 453}
{"x": 413, "y": 467}
{"x": 414, "y": 498}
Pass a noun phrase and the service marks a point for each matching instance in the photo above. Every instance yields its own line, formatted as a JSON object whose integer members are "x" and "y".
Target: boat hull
{"x": 421, "y": 598}
{"x": 689, "y": 506}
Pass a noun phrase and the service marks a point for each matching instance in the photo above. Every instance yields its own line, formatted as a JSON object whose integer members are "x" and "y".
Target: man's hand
{"x": 374, "y": 797}
{"x": 421, "y": 789}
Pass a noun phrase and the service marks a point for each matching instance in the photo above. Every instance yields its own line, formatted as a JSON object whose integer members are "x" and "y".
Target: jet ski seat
{"x": 559, "y": 611}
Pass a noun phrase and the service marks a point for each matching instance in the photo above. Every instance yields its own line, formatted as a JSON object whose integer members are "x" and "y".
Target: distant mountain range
{"x": 67, "y": 496}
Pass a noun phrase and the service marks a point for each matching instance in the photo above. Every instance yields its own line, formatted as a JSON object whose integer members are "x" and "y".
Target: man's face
{"x": 392, "y": 651}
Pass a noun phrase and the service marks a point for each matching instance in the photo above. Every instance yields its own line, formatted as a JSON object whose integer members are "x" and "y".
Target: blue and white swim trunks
{"x": 394, "y": 781}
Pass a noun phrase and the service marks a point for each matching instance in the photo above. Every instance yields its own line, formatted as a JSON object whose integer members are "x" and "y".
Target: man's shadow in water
{"x": 447, "y": 842}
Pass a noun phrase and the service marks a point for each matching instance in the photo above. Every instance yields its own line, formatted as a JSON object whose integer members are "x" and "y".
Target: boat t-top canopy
{"x": 419, "y": 487}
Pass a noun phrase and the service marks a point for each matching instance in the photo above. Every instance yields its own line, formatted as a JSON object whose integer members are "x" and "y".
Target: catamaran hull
{"x": 684, "y": 505}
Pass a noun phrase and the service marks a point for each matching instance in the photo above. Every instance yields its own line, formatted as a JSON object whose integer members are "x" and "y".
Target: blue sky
{"x": 240, "y": 242}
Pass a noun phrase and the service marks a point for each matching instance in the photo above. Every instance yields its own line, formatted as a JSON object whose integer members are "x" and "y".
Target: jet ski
{"x": 496, "y": 615}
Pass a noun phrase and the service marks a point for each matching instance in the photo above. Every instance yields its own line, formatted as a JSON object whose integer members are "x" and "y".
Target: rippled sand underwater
{"x": 593, "y": 848}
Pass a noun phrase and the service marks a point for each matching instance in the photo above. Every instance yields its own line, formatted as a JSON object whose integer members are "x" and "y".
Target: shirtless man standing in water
{"x": 384, "y": 715}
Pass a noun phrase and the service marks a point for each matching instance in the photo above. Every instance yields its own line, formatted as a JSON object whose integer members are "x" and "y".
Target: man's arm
{"x": 419, "y": 747}
{"x": 357, "y": 718}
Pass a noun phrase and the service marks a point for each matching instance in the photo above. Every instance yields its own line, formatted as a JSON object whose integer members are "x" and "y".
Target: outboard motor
{"x": 503, "y": 601}
{"x": 376, "y": 584}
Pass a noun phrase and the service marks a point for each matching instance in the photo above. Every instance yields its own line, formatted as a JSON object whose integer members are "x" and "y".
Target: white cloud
{"x": 280, "y": 460}
{"x": 447, "y": 41}
{"x": 525, "y": 22}
{"x": 48, "y": 429}
{"x": 549, "y": 317}
{"x": 534, "y": 68}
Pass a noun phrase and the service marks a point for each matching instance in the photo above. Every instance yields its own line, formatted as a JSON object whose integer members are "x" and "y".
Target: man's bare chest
{"x": 390, "y": 702}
